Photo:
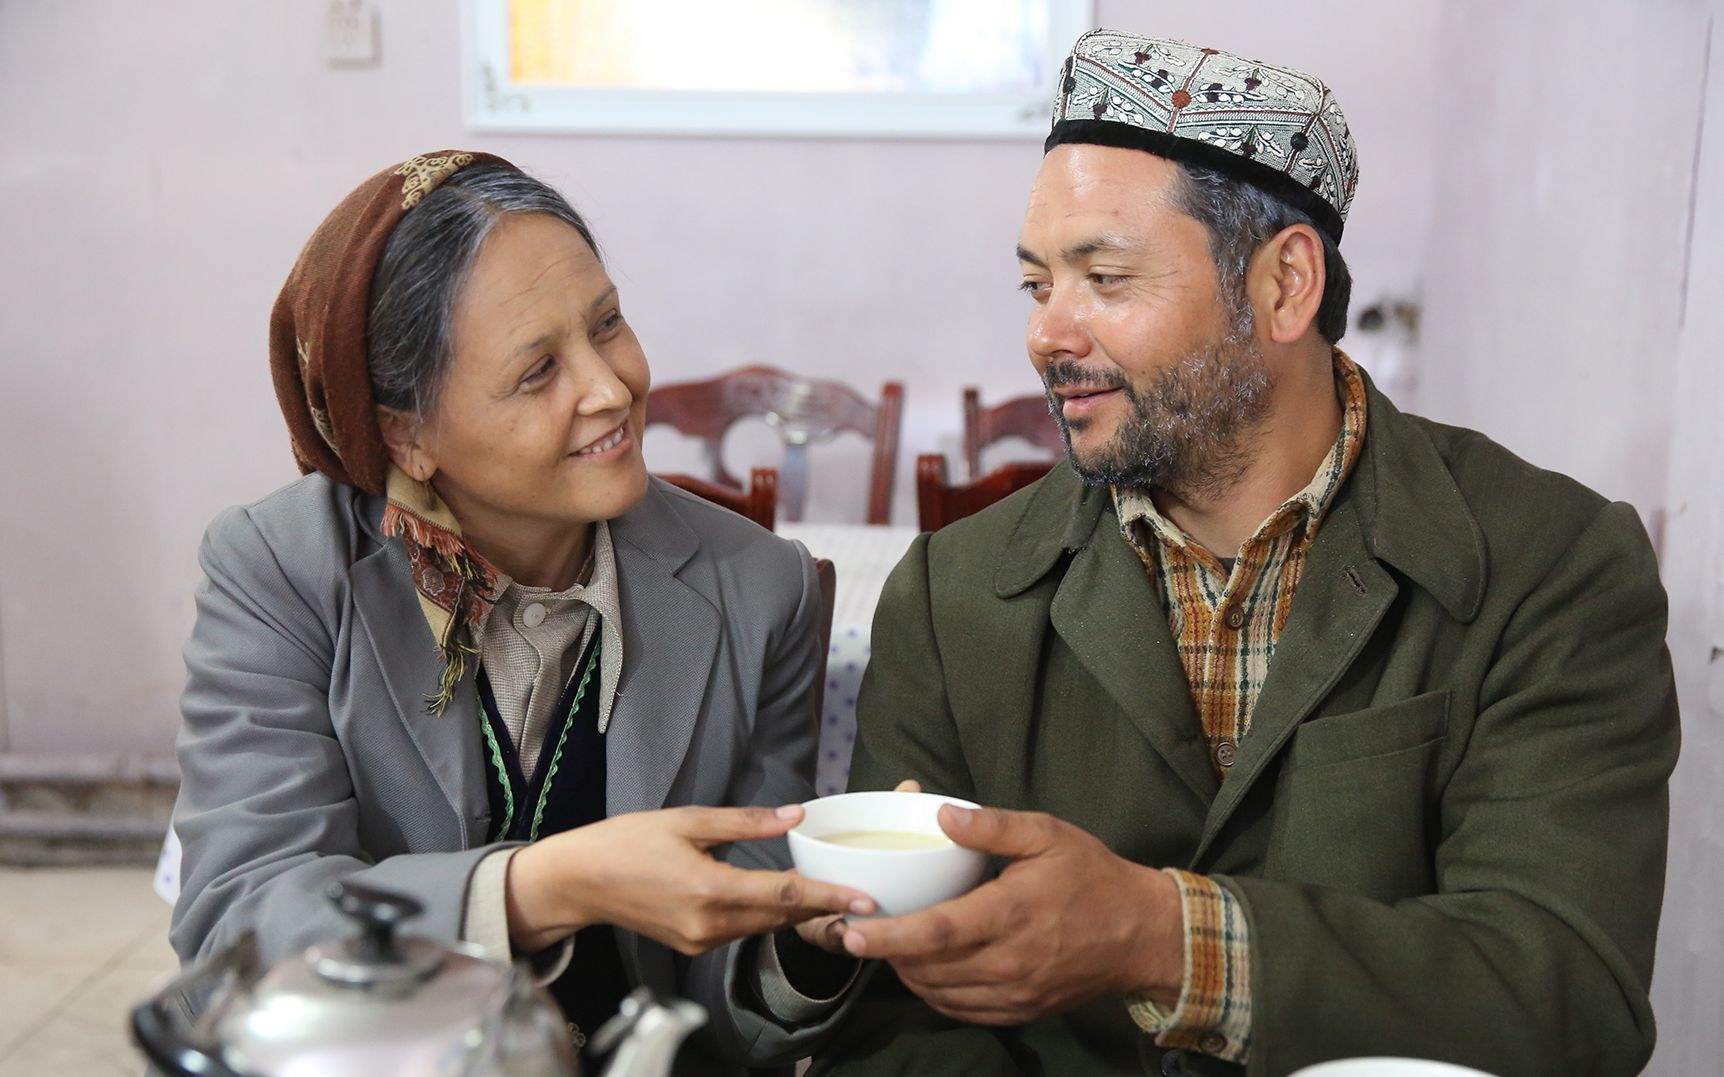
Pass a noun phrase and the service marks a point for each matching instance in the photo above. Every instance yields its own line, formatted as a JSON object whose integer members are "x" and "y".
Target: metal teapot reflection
{"x": 383, "y": 1003}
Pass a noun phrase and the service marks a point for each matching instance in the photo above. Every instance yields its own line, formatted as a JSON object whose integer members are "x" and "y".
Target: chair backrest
{"x": 828, "y": 578}
{"x": 1020, "y": 417}
{"x": 802, "y": 411}
{"x": 759, "y": 502}
{"x": 938, "y": 502}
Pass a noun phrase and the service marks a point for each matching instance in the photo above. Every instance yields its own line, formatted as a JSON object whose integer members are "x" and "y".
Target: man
{"x": 1351, "y": 730}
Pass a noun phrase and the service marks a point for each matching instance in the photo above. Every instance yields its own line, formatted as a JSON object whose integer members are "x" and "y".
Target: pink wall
{"x": 1573, "y": 277}
{"x": 158, "y": 174}
{"x": 1690, "y": 976}
{"x": 1556, "y": 274}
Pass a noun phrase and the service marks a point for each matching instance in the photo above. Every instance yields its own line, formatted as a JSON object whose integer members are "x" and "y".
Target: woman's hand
{"x": 827, "y": 932}
{"x": 651, "y": 872}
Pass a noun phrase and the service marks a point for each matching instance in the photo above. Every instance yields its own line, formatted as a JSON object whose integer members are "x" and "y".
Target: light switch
{"x": 350, "y": 31}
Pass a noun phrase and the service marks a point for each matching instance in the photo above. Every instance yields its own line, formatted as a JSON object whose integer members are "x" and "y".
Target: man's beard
{"x": 1186, "y": 430}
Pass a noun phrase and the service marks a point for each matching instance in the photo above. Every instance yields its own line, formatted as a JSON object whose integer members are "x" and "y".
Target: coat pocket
{"x": 1375, "y": 731}
{"x": 1355, "y": 803}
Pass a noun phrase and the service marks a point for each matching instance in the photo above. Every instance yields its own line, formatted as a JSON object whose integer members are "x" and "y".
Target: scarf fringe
{"x": 455, "y": 655}
{"x": 400, "y": 520}
{"x": 456, "y": 558}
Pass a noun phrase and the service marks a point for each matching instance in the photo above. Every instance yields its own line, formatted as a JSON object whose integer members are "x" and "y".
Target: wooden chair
{"x": 938, "y": 502}
{"x": 803, "y": 412}
{"x": 759, "y": 502}
{"x": 1020, "y": 417}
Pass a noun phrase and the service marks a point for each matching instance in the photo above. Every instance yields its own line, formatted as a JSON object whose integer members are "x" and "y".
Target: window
{"x": 912, "y": 68}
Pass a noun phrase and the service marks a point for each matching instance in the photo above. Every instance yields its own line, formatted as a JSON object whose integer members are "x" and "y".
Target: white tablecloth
{"x": 863, "y": 556}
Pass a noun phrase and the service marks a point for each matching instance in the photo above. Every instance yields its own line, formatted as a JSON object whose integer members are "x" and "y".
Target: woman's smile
{"x": 618, "y": 443}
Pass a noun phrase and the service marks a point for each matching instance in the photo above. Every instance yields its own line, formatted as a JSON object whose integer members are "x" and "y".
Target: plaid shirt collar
{"x": 1138, "y": 514}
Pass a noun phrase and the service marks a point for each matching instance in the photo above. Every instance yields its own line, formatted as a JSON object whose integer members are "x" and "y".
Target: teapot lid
{"x": 375, "y": 956}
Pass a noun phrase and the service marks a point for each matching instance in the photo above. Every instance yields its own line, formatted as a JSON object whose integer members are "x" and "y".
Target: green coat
{"x": 1446, "y": 826}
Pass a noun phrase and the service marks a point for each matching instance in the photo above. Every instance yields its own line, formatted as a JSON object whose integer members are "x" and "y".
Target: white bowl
{"x": 1387, "y": 1067}
{"x": 899, "y": 880}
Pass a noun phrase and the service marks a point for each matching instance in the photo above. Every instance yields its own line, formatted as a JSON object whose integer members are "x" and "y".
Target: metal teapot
{"x": 382, "y": 1003}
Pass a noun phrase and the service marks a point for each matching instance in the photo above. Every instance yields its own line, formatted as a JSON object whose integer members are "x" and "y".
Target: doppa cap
{"x": 1274, "y": 127}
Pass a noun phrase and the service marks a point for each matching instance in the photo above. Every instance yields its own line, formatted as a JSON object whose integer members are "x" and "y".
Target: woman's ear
{"x": 1287, "y": 280}
{"x": 404, "y": 434}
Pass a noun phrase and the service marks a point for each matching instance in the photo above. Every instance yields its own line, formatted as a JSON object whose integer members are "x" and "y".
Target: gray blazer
{"x": 308, "y": 755}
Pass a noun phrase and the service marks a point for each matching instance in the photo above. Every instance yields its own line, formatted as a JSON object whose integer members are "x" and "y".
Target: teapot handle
{"x": 162, "y": 1026}
{"x": 643, "y": 1038}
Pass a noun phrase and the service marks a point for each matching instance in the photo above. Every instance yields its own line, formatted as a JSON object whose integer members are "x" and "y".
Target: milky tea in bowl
{"x": 884, "y": 839}
{"x": 887, "y": 845}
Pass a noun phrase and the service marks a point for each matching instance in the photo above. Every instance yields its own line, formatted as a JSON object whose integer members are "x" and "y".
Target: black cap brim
{"x": 1192, "y": 152}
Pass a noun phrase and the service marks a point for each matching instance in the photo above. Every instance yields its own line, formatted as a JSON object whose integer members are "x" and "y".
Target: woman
{"x": 477, "y": 655}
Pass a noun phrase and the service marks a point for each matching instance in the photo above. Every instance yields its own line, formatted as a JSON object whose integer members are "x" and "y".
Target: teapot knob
{"x": 378, "y": 913}
{"x": 376, "y": 955}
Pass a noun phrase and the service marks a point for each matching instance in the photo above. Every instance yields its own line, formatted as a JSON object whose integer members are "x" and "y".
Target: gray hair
{"x": 409, "y": 328}
{"x": 1241, "y": 217}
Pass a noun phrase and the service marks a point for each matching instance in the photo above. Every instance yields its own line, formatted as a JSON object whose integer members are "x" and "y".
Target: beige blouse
{"x": 530, "y": 640}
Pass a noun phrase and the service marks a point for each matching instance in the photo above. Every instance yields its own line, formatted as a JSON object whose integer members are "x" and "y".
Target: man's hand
{"x": 1067, "y": 922}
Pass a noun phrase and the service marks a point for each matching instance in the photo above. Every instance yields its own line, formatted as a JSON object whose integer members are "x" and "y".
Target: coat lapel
{"x": 1399, "y": 508}
{"x": 670, "y": 640}
{"x": 1342, "y": 596}
{"x": 1106, "y": 610}
{"x": 407, "y": 659}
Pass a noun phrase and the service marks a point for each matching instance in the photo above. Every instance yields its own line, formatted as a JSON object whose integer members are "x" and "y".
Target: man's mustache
{"x": 1063, "y": 373}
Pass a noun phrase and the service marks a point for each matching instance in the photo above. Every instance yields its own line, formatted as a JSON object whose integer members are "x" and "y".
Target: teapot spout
{"x": 644, "y": 1037}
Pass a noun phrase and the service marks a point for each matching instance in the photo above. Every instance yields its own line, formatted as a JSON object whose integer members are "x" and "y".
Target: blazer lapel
{"x": 670, "y": 640}
{"x": 1107, "y": 612}
{"x": 407, "y": 658}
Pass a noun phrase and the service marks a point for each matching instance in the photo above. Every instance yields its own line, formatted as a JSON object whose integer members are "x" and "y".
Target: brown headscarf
{"x": 317, "y": 356}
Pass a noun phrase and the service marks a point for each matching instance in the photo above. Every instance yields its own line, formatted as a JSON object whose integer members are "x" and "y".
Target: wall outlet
{"x": 350, "y": 32}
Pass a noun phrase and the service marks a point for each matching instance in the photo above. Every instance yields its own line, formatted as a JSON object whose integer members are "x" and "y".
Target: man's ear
{"x": 1285, "y": 282}
{"x": 404, "y": 434}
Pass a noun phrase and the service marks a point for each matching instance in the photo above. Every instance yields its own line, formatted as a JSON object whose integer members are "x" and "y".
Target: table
{"x": 862, "y": 555}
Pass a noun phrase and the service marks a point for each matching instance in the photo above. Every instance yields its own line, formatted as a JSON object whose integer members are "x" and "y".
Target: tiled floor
{"x": 78, "y": 948}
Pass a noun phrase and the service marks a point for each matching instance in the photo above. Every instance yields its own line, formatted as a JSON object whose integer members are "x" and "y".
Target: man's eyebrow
{"x": 608, "y": 295}
{"x": 1106, "y": 243}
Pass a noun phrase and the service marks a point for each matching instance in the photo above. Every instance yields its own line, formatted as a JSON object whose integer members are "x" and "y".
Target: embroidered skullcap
{"x": 317, "y": 329}
{"x": 1273, "y": 127}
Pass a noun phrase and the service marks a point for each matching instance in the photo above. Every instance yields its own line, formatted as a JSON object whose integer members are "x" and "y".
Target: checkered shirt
{"x": 1225, "y": 625}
